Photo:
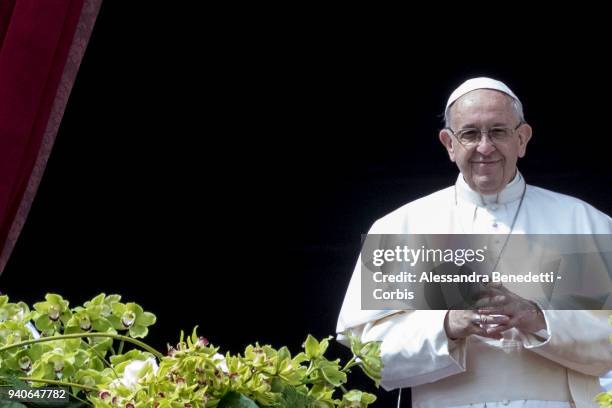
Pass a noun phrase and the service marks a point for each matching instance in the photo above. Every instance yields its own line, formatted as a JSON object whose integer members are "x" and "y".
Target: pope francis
{"x": 509, "y": 353}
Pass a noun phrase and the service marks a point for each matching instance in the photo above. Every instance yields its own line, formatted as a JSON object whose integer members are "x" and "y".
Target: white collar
{"x": 512, "y": 192}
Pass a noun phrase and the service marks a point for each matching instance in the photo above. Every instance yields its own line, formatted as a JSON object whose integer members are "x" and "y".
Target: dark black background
{"x": 219, "y": 169}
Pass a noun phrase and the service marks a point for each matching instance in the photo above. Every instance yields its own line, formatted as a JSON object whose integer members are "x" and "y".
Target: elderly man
{"x": 510, "y": 354}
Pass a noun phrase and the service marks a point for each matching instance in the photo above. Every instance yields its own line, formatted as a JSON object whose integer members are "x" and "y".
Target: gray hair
{"x": 516, "y": 105}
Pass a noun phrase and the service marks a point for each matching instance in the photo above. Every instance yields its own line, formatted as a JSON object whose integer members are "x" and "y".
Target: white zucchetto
{"x": 479, "y": 83}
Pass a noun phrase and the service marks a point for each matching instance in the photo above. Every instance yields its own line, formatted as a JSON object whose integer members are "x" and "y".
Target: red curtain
{"x": 41, "y": 46}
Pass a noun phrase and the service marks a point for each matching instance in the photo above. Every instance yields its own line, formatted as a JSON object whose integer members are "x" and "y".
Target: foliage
{"x": 82, "y": 348}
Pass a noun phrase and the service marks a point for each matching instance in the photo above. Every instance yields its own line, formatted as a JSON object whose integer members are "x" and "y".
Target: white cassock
{"x": 557, "y": 367}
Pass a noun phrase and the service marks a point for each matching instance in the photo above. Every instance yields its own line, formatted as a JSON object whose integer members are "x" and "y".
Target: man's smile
{"x": 485, "y": 163}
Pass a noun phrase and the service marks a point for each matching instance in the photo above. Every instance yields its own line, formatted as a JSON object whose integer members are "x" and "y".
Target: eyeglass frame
{"x": 481, "y": 133}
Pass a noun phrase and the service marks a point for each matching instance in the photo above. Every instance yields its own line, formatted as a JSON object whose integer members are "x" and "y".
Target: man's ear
{"x": 524, "y": 135}
{"x": 447, "y": 140}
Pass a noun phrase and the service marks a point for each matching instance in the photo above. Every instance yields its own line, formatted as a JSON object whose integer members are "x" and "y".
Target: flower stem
{"x": 81, "y": 335}
{"x": 310, "y": 368}
{"x": 120, "y": 349}
{"x": 100, "y": 356}
{"x": 349, "y": 364}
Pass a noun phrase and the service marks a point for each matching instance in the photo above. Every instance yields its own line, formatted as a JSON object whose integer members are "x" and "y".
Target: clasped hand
{"x": 496, "y": 310}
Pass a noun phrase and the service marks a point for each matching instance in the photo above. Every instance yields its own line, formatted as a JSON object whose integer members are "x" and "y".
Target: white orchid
{"x": 219, "y": 359}
{"x": 136, "y": 371}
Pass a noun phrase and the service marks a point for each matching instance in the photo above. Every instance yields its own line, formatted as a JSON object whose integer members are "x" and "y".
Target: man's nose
{"x": 485, "y": 146}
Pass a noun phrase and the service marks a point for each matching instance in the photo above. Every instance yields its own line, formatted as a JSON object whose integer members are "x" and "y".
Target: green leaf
{"x": 331, "y": 372}
{"x": 368, "y": 355}
{"x": 235, "y": 400}
{"x": 55, "y": 404}
{"x": 353, "y": 397}
{"x": 324, "y": 345}
{"x": 294, "y": 399}
{"x": 356, "y": 344}
{"x": 311, "y": 346}
{"x": 283, "y": 353}
{"x": 300, "y": 358}
{"x": 324, "y": 393}
{"x": 12, "y": 381}
{"x": 12, "y": 404}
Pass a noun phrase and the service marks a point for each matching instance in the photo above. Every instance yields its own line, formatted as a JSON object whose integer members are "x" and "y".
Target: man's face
{"x": 486, "y": 167}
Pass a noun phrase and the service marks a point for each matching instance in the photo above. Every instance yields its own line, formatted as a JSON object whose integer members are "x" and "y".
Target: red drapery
{"x": 41, "y": 46}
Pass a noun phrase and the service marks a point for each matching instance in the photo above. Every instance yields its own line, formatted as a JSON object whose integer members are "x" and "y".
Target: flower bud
{"x": 202, "y": 342}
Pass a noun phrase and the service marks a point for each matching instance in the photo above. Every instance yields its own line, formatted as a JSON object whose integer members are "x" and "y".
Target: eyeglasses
{"x": 470, "y": 137}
